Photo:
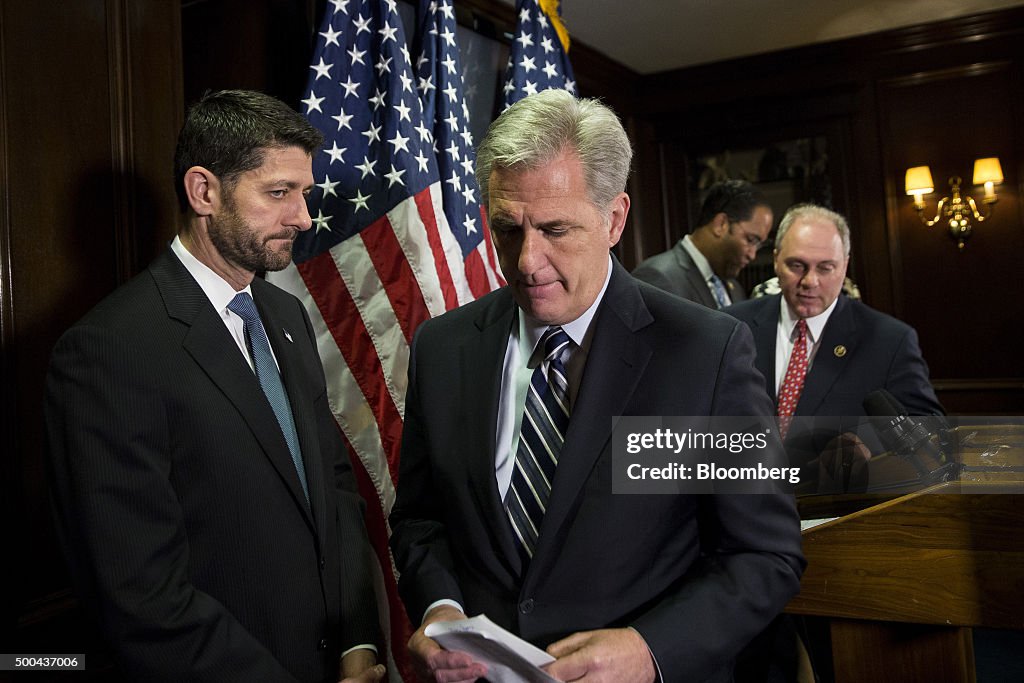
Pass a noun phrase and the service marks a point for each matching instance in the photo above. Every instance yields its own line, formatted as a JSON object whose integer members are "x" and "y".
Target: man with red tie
{"x": 822, "y": 353}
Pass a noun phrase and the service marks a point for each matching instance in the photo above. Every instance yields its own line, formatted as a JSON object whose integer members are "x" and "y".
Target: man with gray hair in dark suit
{"x": 505, "y": 504}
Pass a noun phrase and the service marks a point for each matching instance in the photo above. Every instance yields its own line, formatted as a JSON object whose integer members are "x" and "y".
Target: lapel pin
{"x": 287, "y": 335}
{"x": 839, "y": 351}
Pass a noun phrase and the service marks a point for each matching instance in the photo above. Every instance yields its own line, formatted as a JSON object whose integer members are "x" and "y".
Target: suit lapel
{"x": 614, "y": 365}
{"x": 694, "y": 278}
{"x": 480, "y": 362}
{"x": 212, "y": 347}
{"x": 828, "y": 365}
{"x": 736, "y": 291}
{"x": 765, "y": 330}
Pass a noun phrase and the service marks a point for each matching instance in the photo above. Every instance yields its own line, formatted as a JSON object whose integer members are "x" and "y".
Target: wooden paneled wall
{"x": 89, "y": 107}
{"x": 962, "y": 302}
{"x": 263, "y": 45}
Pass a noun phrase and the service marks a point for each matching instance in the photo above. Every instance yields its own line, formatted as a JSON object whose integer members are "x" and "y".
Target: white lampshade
{"x": 919, "y": 180}
{"x": 986, "y": 171}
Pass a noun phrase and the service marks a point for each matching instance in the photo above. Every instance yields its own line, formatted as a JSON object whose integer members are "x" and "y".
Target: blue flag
{"x": 539, "y": 59}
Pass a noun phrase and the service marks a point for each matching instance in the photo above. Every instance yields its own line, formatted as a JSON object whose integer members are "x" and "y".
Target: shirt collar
{"x": 531, "y": 330}
{"x": 216, "y": 288}
{"x": 815, "y": 325}
{"x": 699, "y": 259}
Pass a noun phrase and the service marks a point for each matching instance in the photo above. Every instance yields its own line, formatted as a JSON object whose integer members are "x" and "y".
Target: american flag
{"x": 381, "y": 258}
{"x": 539, "y": 59}
{"x": 439, "y": 74}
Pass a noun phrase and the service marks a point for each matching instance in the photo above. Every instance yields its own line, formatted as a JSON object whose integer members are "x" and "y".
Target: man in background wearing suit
{"x": 202, "y": 493}
{"x": 734, "y": 221}
{"x": 844, "y": 349}
{"x": 616, "y": 587}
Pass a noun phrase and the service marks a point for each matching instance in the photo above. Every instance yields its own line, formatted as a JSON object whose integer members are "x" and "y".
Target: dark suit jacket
{"x": 879, "y": 352}
{"x": 674, "y": 271}
{"x": 697, "y": 576}
{"x": 176, "y": 499}
{"x": 861, "y": 350}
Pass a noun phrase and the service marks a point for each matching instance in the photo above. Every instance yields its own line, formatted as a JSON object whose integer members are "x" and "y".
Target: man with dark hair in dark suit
{"x": 734, "y": 221}
{"x": 506, "y": 508}
{"x": 202, "y": 492}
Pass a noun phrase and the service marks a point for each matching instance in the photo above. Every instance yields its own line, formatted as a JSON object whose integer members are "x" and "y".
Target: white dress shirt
{"x": 521, "y": 357}
{"x": 786, "y": 337}
{"x": 220, "y": 294}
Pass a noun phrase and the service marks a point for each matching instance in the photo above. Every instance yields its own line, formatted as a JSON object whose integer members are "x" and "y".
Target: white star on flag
{"x": 439, "y": 74}
{"x": 383, "y": 257}
{"x": 539, "y": 39}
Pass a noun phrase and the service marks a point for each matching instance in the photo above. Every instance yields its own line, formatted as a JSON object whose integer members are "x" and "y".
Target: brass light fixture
{"x": 956, "y": 210}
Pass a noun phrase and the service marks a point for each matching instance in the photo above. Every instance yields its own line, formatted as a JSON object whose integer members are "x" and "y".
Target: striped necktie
{"x": 545, "y": 420}
{"x": 718, "y": 289}
{"x": 269, "y": 377}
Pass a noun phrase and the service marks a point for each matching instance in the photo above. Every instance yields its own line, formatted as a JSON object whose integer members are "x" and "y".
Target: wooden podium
{"x": 903, "y": 581}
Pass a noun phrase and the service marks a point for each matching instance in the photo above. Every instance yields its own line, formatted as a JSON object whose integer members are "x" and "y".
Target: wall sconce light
{"x": 955, "y": 209}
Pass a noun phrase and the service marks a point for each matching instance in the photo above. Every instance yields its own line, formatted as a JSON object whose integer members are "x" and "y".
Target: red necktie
{"x": 793, "y": 382}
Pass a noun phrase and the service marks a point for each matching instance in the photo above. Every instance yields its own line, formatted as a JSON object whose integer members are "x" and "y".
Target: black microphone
{"x": 903, "y": 435}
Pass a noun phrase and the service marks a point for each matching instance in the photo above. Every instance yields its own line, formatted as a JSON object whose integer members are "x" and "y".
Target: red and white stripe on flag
{"x": 383, "y": 256}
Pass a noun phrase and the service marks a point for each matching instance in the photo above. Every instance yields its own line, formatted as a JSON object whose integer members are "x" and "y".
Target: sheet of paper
{"x": 509, "y": 659}
{"x": 806, "y": 524}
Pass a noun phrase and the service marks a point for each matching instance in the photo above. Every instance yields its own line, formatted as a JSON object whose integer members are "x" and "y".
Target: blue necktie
{"x": 269, "y": 377}
{"x": 541, "y": 436}
{"x": 718, "y": 289}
